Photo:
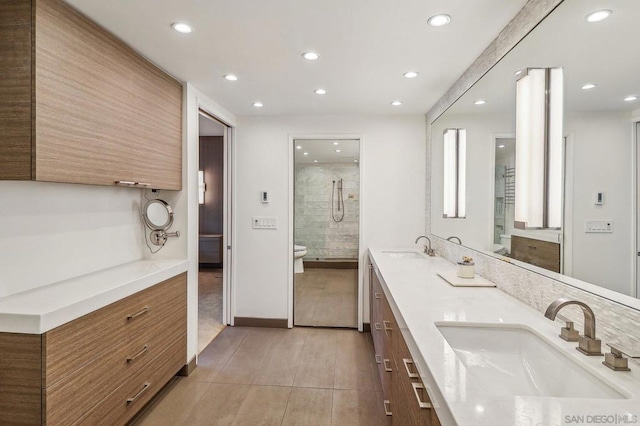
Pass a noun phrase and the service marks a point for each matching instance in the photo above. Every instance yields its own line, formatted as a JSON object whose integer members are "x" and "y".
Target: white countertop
{"x": 41, "y": 309}
{"x": 550, "y": 235}
{"x": 419, "y": 298}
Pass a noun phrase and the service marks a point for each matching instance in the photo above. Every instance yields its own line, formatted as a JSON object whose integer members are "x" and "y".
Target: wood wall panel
{"x": 102, "y": 112}
{"x": 15, "y": 89}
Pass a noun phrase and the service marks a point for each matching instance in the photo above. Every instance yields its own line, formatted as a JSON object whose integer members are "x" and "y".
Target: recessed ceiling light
{"x": 355, "y": 161}
{"x": 337, "y": 150}
{"x": 336, "y": 143}
{"x": 230, "y": 77}
{"x": 410, "y": 74}
{"x": 588, "y": 86}
{"x": 320, "y": 92}
{"x": 310, "y": 56}
{"x": 305, "y": 153}
{"x": 439, "y": 20}
{"x": 181, "y": 27}
{"x": 258, "y": 104}
{"x": 396, "y": 103}
{"x": 597, "y": 16}
{"x": 315, "y": 161}
{"x": 480, "y": 102}
{"x": 298, "y": 147}
{"x": 501, "y": 146}
{"x": 631, "y": 98}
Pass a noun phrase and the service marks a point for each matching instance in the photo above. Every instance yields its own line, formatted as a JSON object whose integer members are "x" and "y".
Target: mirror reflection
{"x": 596, "y": 241}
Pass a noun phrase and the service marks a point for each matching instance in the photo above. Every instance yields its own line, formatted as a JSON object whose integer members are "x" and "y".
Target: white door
{"x": 636, "y": 290}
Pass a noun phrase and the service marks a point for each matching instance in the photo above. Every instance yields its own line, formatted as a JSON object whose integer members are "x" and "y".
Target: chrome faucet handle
{"x": 569, "y": 333}
{"x": 616, "y": 361}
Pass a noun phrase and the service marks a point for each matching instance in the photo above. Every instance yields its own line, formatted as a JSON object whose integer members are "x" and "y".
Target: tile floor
{"x": 262, "y": 376}
{"x": 326, "y": 298}
{"x": 209, "y": 306}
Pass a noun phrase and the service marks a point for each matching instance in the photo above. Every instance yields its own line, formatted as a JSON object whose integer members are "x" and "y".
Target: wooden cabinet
{"x": 406, "y": 401}
{"x": 77, "y": 105}
{"x": 540, "y": 253}
{"x": 102, "y": 367}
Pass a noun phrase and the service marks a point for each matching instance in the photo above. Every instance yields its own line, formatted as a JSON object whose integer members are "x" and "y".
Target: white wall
{"x": 393, "y": 188}
{"x": 603, "y": 161}
{"x": 51, "y": 231}
{"x": 476, "y": 230}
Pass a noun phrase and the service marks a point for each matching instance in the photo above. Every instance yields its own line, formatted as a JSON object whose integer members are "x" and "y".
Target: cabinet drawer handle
{"x": 386, "y": 325}
{"x": 378, "y": 359}
{"x": 377, "y": 326}
{"x": 417, "y": 386}
{"x": 143, "y": 184}
{"x": 125, "y": 182}
{"x": 386, "y": 368}
{"x": 377, "y": 295}
{"x": 387, "y": 411}
{"x": 139, "y": 354}
{"x": 532, "y": 247}
{"x": 144, "y": 388}
{"x": 406, "y": 362}
{"x": 137, "y": 314}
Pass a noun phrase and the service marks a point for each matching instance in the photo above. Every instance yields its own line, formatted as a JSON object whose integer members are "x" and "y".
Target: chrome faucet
{"x": 452, "y": 237}
{"x": 428, "y": 250}
{"x": 587, "y": 344}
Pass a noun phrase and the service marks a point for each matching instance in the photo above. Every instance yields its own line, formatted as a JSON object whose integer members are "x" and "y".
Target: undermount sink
{"x": 404, "y": 254}
{"x": 510, "y": 359}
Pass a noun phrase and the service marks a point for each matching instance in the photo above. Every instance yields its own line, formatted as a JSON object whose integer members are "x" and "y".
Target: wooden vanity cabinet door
{"x": 543, "y": 254}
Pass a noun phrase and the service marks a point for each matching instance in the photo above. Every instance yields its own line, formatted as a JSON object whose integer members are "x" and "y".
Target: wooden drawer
{"x": 123, "y": 403}
{"x": 73, "y": 345}
{"x": 543, "y": 254}
{"x": 77, "y": 393}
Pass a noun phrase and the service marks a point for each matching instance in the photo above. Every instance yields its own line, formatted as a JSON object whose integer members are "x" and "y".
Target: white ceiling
{"x": 209, "y": 127}
{"x": 365, "y": 46}
{"x": 324, "y": 151}
{"x": 602, "y": 53}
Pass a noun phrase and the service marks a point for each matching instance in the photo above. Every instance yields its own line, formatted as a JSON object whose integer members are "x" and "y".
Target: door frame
{"x": 635, "y": 187}
{"x": 228, "y": 237}
{"x": 361, "y": 249}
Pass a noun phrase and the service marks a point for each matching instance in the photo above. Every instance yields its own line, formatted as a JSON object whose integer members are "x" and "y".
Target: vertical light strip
{"x": 201, "y": 187}
{"x": 539, "y": 149}
{"x": 555, "y": 150}
{"x": 462, "y": 169}
{"x": 454, "y": 173}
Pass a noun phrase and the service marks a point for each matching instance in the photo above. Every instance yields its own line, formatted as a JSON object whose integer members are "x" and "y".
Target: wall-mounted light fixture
{"x": 202, "y": 187}
{"x": 455, "y": 157}
{"x": 539, "y": 148}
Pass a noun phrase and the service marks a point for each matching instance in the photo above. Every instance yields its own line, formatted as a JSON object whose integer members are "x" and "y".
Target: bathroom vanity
{"x": 455, "y": 355}
{"x": 94, "y": 349}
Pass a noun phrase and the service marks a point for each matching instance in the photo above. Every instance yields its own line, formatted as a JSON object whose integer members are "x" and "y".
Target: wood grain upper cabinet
{"x": 77, "y": 105}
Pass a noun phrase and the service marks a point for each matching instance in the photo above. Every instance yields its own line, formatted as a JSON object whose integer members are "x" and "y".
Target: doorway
{"x": 211, "y": 226}
{"x": 504, "y": 194}
{"x": 326, "y": 235}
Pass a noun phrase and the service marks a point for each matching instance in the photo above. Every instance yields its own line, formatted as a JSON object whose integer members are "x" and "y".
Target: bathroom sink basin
{"x": 404, "y": 254}
{"x": 512, "y": 360}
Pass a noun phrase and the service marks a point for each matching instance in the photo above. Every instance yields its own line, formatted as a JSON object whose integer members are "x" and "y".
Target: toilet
{"x": 298, "y": 253}
{"x": 505, "y": 241}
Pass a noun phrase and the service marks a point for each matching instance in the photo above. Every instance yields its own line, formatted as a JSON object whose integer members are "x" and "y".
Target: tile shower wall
{"x": 314, "y": 227}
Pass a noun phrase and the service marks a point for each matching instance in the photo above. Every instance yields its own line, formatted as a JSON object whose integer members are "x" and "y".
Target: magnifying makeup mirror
{"x": 158, "y": 217}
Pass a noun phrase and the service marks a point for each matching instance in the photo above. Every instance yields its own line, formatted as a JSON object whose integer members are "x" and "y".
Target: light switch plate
{"x": 264, "y": 222}
{"x": 598, "y": 226}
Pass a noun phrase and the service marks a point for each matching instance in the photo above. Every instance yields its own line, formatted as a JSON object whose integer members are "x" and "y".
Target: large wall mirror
{"x": 596, "y": 239}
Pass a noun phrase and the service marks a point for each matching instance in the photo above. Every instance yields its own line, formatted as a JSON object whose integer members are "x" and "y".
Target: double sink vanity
{"x": 477, "y": 356}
